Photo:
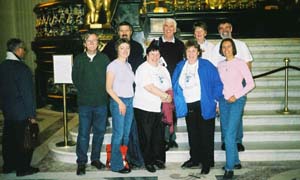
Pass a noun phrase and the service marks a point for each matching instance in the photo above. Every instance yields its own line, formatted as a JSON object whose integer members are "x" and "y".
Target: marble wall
{"x": 17, "y": 19}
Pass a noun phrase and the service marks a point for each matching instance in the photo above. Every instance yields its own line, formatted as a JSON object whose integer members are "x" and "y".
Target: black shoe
{"x": 80, "y": 169}
{"x": 30, "y": 171}
{"x": 189, "y": 164}
{"x": 228, "y": 175}
{"x": 173, "y": 144}
{"x": 7, "y": 170}
{"x": 237, "y": 166}
{"x": 240, "y": 147}
{"x": 159, "y": 164}
{"x": 223, "y": 146}
{"x": 124, "y": 170}
{"x": 98, "y": 164}
{"x": 150, "y": 168}
{"x": 205, "y": 170}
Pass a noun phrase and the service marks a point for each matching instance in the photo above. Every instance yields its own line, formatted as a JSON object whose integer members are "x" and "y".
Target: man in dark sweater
{"x": 171, "y": 50}
{"x": 135, "y": 59}
{"x": 136, "y": 50}
{"x": 17, "y": 102}
{"x": 88, "y": 75}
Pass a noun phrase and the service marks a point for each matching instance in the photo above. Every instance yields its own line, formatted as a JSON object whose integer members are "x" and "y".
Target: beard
{"x": 125, "y": 36}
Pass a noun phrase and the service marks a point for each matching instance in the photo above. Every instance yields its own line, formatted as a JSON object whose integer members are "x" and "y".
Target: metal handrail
{"x": 275, "y": 70}
{"x": 286, "y": 67}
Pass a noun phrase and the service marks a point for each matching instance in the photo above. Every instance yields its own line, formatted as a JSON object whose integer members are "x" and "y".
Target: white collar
{"x": 11, "y": 56}
{"x": 164, "y": 40}
{"x": 204, "y": 42}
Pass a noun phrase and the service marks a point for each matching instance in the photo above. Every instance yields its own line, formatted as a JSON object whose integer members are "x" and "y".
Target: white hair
{"x": 170, "y": 20}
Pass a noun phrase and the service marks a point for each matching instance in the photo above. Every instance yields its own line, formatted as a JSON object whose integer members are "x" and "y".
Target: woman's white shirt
{"x": 190, "y": 83}
{"x": 147, "y": 74}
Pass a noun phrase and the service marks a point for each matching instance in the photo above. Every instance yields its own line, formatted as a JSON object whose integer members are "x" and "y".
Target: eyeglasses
{"x": 91, "y": 41}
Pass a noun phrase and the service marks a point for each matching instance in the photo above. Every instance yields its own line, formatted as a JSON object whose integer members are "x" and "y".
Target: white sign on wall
{"x": 62, "y": 68}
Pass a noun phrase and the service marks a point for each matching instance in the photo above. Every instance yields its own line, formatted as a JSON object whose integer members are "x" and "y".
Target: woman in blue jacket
{"x": 197, "y": 87}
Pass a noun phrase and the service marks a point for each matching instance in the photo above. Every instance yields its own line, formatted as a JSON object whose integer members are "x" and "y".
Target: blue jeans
{"x": 240, "y": 133}
{"x": 90, "y": 117}
{"x": 231, "y": 115}
{"x": 120, "y": 131}
{"x": 134, "y": 155}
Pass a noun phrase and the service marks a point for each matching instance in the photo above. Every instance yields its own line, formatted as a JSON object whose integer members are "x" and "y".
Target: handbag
{"x": 31, "y": 135}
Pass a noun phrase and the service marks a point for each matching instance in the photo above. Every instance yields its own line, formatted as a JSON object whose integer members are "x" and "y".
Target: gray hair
{"x": 170, "y": 20}
{"x": 13, "y": 44}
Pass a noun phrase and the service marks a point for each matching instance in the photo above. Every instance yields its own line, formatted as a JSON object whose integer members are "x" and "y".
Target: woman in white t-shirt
{"x": 152, "y": 81}
{"x": 119, "y": 85}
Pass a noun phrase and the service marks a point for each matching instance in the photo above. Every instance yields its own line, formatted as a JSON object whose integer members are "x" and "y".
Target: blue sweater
{"x": 211, "y": 89}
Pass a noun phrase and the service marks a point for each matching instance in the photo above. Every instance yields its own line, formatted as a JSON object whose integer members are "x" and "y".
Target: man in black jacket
{"x": 172, "y": 50}
{"x": 17, "y": 102}
{"x": 135, "y": 58}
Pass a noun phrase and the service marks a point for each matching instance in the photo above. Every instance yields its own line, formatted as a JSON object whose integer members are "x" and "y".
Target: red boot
{"x": 123, "y": 150}
{"x": 108, "y": 155}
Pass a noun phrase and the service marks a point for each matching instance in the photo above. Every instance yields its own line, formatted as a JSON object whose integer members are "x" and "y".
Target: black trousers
{"x": 14, "y": 155}
{"x": 151, "y": 136}
{"x": 200, "y": 135}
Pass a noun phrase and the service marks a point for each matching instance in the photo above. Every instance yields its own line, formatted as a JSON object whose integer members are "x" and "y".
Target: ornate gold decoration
{"x": 159, "y": 9}
{"x": 93, "y": 14}
{"x": 215, "y": 4}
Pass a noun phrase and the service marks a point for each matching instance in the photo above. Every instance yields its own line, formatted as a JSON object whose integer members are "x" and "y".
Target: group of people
{"x": 195, "y": 80}
{"x": 145, "y": 96}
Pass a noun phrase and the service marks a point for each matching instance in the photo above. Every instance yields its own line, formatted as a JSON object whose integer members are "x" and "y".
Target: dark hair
{"x": 200, "y": 24}
{"x": 232, "y": 43}
{"x": 192, "y": 43}
{"x": 154, "y": 46}
{"x": 13, "y": 44}
{"x": 125, "y": 23}
{"x": 224, "y": 22}
{"x": 121, "y": 41}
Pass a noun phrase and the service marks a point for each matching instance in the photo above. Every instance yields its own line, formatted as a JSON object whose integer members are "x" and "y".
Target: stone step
{"x": 266, "y": 41}
{"x": 276, "y": 103}
{"x": 274, "y": 47}
{"x": 262, "y": 70}
{"x": 255, "y": 123}
{"x": 276, "y": 56}
{"x": 274, "y": 91}
{"x": 251, "y": 134}
{"x": 273, "y": 65}
{"x": 270, "y": 81}
{"x": 265, "y": 62}
{"x": 248, "y": 155}
{"x": 272, "y": 60}
{"x": 274, "y": 151}
{"x": 260, "y": 118}
{"x": 271, "y": 41}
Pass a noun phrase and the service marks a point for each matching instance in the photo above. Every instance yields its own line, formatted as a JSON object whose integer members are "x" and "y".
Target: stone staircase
{"x": 268, "y": 134}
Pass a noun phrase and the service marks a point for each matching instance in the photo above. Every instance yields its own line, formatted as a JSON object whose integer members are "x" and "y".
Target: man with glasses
{"x": 88, "y": 75}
